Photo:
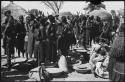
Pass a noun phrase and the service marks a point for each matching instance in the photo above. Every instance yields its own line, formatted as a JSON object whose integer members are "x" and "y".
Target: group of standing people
{"x": 38, "y": 36}
{"x": 45, "y": 36}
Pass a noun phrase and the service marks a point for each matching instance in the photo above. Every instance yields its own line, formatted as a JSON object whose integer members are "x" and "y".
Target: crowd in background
{"x": 44, "y": 36}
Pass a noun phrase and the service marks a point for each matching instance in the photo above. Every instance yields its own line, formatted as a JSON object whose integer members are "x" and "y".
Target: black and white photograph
{"x": 46, "y": 41}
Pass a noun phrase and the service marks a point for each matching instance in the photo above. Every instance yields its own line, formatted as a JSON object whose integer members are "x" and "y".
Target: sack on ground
{"x": 62, "y": 63}
{"x": 39, "y": 74}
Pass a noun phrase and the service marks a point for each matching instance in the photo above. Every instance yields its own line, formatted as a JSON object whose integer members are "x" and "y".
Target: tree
{"x": 94, "y": 5}
{"x": 55, "y": 6}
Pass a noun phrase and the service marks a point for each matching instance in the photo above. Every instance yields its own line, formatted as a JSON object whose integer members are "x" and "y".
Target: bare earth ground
{"x": 19, "y": 76}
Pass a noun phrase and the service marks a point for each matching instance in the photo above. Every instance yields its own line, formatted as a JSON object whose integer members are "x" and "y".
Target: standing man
{"x": 10, "y": 35}
{"x": 52, "y": 38}
{"x": 43, "y": 54}
{"x": 65, "y": 40}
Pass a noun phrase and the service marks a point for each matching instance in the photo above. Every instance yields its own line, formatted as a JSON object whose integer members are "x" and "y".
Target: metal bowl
{"x": 55, "y": 72}
{"x": 83, "y": 68}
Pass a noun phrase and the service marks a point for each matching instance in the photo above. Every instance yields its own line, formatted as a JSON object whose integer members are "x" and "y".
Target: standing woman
{"x": 26, "y": 37}
{"x": 21, "y": 32}
{"x": 31, "y": 26}
{"x": 117, "y": 54}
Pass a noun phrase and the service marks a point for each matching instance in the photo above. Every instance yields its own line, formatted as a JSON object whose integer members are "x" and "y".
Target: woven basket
{"x": 83, "y": 68}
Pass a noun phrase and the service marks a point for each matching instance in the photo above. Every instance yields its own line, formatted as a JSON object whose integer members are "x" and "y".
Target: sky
{"x": 72, "y": 6}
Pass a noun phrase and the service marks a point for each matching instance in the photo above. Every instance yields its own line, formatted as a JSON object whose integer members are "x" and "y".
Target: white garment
{"x": 26, "y": 38}
{"x": 62, "y": 63}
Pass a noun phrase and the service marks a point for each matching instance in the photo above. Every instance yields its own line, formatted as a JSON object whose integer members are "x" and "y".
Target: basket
{"x": 83, "y": 68}
{"x": 83, "y": 71}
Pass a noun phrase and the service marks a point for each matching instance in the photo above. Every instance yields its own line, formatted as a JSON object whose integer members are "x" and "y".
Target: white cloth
{"x": 26, "y": 38}
{"x": 62, "y": 63}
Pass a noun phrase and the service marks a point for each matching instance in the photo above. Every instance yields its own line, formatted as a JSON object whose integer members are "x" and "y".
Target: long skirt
{"x": 30, "y": 45}
{"x": 43, "y": 52}
{"x": 53, "y": 50}
{"x": 112, "y": 61}
{"x": 20, "y": 45}
{"x": 118, "y": 72}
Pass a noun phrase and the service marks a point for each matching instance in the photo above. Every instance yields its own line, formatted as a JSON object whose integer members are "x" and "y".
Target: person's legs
{"x": 9, "y": 61}
{"x": 8, "y": 55}
{"x": 18, "y": 53}
{"x": 36, "y": 51}
{"x": 25, "y": 49}
{"x": 40, "y": 55}
{"x": 23, "y": 54}
{"x": 26, "y": 55}
{"x": 47, "y": 52}
{"x": 44, "y": 52}
{"x": 54, "y": 53}
{"x": 50, "y": 56}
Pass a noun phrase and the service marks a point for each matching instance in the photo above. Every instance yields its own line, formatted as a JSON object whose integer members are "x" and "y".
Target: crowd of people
{"x": 44, "y": 36}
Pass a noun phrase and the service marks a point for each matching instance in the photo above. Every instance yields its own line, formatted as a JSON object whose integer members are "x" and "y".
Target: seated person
{"x": 62, "y": 65}
{"x": 98, "y": 56}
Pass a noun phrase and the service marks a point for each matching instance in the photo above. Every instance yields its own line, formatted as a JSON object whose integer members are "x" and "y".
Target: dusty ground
{"x": 19, "y": 76}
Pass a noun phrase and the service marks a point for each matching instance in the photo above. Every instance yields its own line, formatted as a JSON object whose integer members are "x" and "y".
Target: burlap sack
{"x": 62, "y": 63}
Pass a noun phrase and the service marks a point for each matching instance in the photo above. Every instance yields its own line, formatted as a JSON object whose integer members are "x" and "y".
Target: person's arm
{"x": 92, "y": 57}
{"x": 98, "y": 59}
{"x": 48, "y": 31}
